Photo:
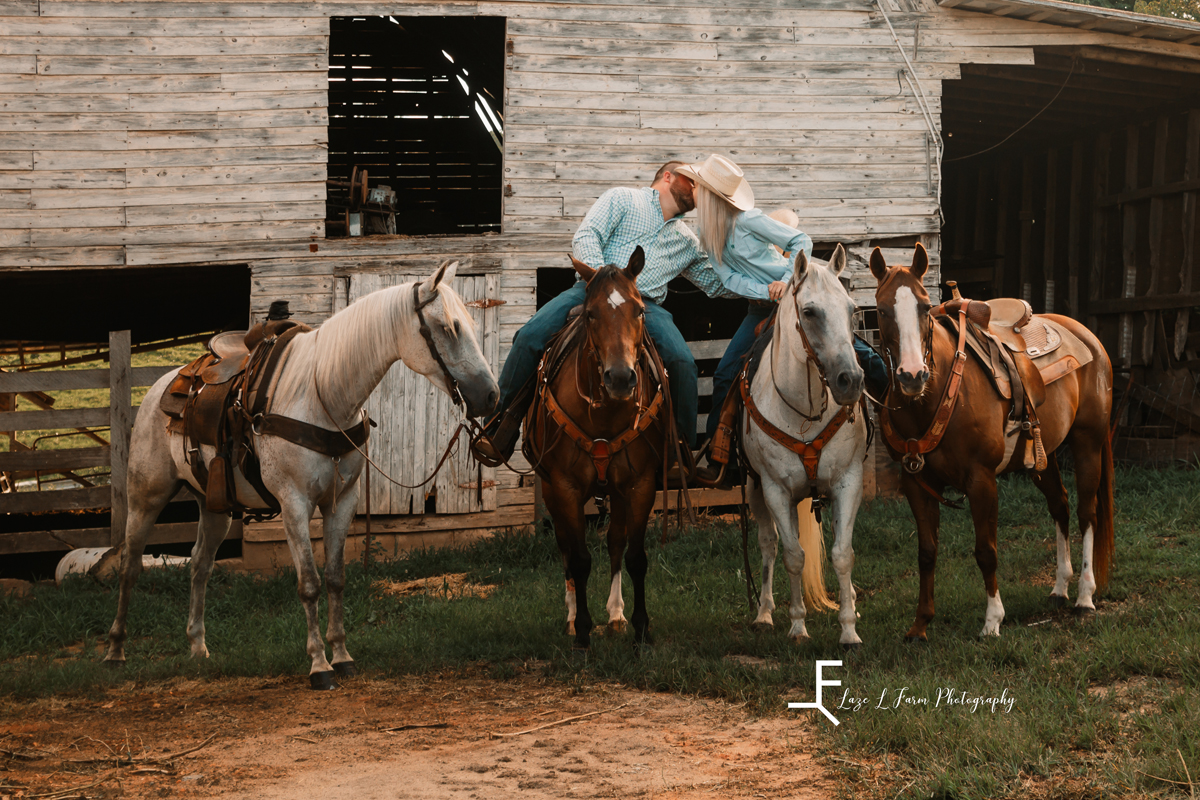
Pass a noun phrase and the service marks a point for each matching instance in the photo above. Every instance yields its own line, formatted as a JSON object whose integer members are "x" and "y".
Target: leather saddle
{"x": 212, "y": 400}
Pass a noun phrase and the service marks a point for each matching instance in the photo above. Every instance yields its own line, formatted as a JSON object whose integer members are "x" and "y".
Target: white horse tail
{"x": 816, "y": 598}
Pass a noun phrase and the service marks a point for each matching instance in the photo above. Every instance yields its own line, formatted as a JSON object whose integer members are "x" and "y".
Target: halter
{"x": 427, "y": 334}
{"x": 927, "y": 348}
{"x": 811, "y": 356}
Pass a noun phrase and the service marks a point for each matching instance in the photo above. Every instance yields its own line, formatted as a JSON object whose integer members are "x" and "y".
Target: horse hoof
{"x": 761, "y": 627}
{"x": 1057, "y": 601}
{"x": 1084, "y": 612}
{"x": 852, "y": 647}
{"x": 799, "y": 638}
{"x": 345, "y": 669}
{"x": 114, "y": 664}
{"x": 617, "y": 626}
{"x": 922, "y": 639}
{"x": 322, "y": 680}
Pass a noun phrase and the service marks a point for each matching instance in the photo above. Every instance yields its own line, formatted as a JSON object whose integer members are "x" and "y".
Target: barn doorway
{"x": 1073, "y": 183}
{"x": 417, "y": 105}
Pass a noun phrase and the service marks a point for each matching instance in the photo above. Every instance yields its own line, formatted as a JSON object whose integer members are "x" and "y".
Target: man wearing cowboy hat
{"x": 620, "y": 221}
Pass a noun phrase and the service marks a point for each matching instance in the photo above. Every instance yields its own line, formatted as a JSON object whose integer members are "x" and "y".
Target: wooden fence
{"x": 119, "y": 378}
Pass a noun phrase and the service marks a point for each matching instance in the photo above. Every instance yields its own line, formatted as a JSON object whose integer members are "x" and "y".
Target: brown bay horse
{"x": 599, "y": 424}
{"x": 979, "y": 442}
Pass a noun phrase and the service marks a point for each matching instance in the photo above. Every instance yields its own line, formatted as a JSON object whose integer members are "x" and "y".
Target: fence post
{"x": 121, "y": 422}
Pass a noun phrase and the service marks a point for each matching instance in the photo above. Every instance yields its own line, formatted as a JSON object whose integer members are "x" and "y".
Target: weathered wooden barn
{"x": 173, "y": 167}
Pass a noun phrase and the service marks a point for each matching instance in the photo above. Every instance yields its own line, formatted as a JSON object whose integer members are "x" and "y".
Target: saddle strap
{"x": 334, "y": 444}
{"x": 913, "y": 450}
{"x": 809, "y": 452}
{"x": 602, "y": 451}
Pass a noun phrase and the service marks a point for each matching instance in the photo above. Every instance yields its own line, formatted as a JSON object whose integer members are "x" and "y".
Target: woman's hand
{"x": 775, "y": 290}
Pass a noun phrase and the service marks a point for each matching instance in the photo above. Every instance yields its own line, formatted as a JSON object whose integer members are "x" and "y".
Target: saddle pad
{"x": 1068, "y": 355}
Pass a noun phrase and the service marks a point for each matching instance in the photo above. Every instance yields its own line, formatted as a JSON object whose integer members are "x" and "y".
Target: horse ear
{"x": 801, "y": 268}
{"x": 879, "y": 265}
{"x": 585, "y": 272}
{"x": 444, "y": 273}
{"x": 636, "y": 262}
{"x": 920, "y": 262}
{"x": 838, "y": 262}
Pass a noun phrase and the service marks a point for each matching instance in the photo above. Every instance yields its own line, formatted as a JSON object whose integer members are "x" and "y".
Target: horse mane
{"x": 364, "y": 337}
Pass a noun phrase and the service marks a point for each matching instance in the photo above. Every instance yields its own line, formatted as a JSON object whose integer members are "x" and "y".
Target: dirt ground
{"x": 278, "y": 739}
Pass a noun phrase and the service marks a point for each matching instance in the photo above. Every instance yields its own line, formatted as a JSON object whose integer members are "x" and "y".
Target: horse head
{"x": 824, "y": 318}
{"x": 905, "y": 325}
{"x": 452, "y": 339}
{"x": 615, "y": 318}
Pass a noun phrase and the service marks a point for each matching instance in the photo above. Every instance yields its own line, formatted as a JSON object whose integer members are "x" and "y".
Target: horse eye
{"x": 810, "y": 312}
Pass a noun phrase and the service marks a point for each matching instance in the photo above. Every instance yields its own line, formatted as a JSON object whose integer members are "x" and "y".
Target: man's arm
{"x": 597, "y": 226}
{"x": 702, "y": 273}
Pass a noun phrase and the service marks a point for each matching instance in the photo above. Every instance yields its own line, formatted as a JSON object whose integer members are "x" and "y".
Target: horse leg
{"x": 928, "y": 515}
{"x": 150, "y": 496}
{"x": 297, "y": 516}
{"x": 1087, "y": 486}
{"x": 212, "y": 531}
{"x": 641, "y": 501}
{"x": 767, "y": 546}
{"x": 617, "y": 534}
{"x": 985, "y": 512}
{"x": 570, "y": 529}
{"x": 847, "y": 496}
{"x": 336, "y": 524}
{"x": 787, "y": 521}
{"x": 1051, "y": 485}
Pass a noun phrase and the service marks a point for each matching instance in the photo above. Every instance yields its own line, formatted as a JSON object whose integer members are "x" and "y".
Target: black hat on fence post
{"x": 279, "y": 310}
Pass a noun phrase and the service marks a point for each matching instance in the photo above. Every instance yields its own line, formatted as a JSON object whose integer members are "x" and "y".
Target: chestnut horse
{"x": 600, "y": 423}
{"x": 975, "y": 447}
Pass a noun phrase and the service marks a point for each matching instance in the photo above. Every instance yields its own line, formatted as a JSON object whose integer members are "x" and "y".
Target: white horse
{"x": 809, "y": 362}
{"x": 325, "y": 380}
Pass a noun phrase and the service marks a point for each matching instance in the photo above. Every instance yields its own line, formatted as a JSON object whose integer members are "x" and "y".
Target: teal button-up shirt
{"x": 623, "y": 218}
{"x": 749, "y": 263}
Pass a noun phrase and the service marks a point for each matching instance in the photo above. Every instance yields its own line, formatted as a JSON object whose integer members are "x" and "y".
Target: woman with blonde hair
{"x": 747, "y": 249}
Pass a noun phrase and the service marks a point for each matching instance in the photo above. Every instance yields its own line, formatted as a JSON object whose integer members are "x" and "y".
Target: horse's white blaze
{"x": 1063, "y": 578}
{"x": 912, "y": 360}
{"x": 616, "y": 603}
{"x": 1087, "y": 576}
{"x": 615, "y": 299}
{"x": 993, "y": 617}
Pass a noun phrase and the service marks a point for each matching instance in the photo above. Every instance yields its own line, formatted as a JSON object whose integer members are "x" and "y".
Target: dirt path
{"x": 276, "y": 739}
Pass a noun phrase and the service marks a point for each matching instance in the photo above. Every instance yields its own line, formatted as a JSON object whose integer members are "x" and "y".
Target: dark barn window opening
{"x": 415, "y": 103}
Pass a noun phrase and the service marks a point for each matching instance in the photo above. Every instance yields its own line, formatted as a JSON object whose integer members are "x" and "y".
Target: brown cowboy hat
{"x": 723, "y": 177}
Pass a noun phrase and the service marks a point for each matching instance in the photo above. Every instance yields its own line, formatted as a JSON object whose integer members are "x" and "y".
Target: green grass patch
{"x": 1097, "y": 708}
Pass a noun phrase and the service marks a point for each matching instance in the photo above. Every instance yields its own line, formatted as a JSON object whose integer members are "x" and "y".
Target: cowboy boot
{"x": 495, "y": 445}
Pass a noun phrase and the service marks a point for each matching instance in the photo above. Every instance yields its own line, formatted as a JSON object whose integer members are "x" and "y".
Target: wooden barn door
{"x": 416, "y": 420}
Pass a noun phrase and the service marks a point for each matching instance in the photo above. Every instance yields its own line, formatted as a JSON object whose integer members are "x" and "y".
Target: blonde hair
{"x": 715, "y": 217}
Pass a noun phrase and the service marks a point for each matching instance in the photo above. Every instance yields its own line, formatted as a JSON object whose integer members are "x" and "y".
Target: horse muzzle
{"x": 912, "y": 385}
{"x": 620, "y": 382}
{"x": 481, "y": 395}
{"x": 847, "y": 386}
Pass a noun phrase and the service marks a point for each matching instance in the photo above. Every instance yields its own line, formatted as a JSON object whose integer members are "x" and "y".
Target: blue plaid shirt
{"x": 623, "y": 218}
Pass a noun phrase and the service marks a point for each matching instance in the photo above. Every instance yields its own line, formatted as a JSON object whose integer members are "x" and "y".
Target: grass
{"x": 1098, "y": 707}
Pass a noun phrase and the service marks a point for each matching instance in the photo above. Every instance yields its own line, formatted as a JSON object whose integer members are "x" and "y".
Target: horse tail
{"x": 816, "y": 598}
{"x": 1104, "y": 544}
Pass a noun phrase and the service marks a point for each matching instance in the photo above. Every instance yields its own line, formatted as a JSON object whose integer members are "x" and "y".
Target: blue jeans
{"x": 531, "y": 340}
{"x": 731, "y": 363}
{"x": 743, "y": 340}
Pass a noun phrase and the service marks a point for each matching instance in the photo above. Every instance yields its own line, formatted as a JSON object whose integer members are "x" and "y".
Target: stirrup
{"x": 484, "y": 450}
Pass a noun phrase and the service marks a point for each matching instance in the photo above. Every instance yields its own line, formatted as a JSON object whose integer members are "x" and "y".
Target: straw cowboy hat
{"x": 723, "y": 177}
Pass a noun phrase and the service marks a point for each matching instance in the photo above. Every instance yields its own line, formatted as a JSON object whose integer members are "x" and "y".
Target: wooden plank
{"x": 1173, "y": 410}
{"x": 239, "y": 137}
{"x": 121, "y": 426}
{"x": 65, "y": 140}
{"x": 62, "y": 179}
{"x": 56, "y": 85}
{"x": 225, "y": 213}
{"x": 18, "y": 65}
{"x": 172, "y": 195}
{"x": 225, "y": 100}
{"x": 202, "y": 156}
{"x": 16, "y": 159}
{"x": 502, "y": 517}
{"x": 1100, "y": 172}
{"x": 70, "y": 539}
{"x": 1129, "y": 224}
{"x": 61, "y": 380}
{"x": 1132, "y": 305}
{"x": 18, "y": 8}
{"x": 43, "y": 102}
{"x": 76, "y": 458}
{"x": 41, "y": 122}
{"x": 163, "y": 46}
{"x": 1148, "y": 192}
{"x": 1187, "y": 267}
{"x": 89, "y": 26}
{"x": 744, "y": 102}
{"x": 58, "y": 500}
{"x": 49, "y": 420}
{"x": 174, "y": 65}
{"x": 15, "y": 238}
{"x": 1050, "y": 232}
{"x": 224, "y": 175}
{"x": 14, "y": 199}
{"x": 1025, "y": 257}
{"x": 1075, "y": 232}
{"x": 175, "y": 233}
{"x": 1157, "y": 234}
{"x": 54, "y": 257}
{"x": 99, "y": 217}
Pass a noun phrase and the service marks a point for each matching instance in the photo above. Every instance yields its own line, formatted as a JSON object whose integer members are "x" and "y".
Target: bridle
{"x": 927, "y": 352}
{"x": 812, "y": 358}
{"x": 427, "y": 334}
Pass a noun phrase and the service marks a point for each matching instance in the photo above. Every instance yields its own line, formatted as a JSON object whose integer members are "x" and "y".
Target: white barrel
{"x": 81, "y": 560}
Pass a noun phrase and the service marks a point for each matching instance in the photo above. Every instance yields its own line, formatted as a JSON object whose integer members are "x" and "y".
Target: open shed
{"x": 178, "y": 155}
